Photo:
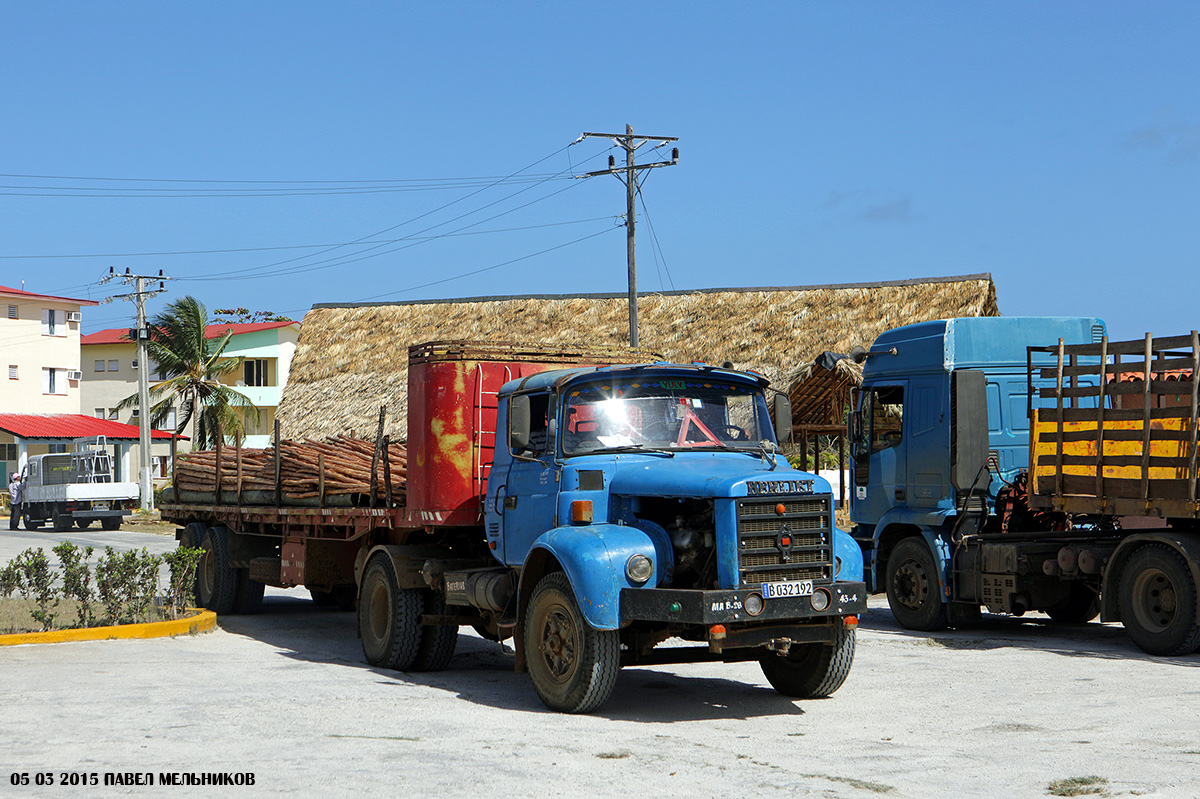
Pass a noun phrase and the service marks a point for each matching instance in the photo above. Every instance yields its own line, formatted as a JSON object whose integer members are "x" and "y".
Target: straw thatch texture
{"x": 352, "y": 359}
{"x": 820, "y": 390}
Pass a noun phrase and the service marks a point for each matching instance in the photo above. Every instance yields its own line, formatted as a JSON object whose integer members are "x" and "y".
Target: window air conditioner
{"x": 74, "y": 375}
{"x": 74, "y": 316}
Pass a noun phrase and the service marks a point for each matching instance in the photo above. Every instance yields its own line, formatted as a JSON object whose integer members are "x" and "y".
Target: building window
{"x": 54, "y": 323}
{"x": 113, "y": 366}
{"x": 167, "y": 423}
{"x": 159, "y": 371}
{"x": 53, "y": 382}
{"x": 59, "y": 448}
{"x": 256, "y": 371}
{"x": 112, "y": 414}
{"x": 12, "y": 312}
{"x": 100, "y": 365}
{"x": 133, "y": 364}
{"x": 99, "y": 413}
{"x": 12, "y": 372}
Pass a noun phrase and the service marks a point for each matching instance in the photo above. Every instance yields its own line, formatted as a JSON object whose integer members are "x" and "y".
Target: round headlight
{"x": 753, "y": 604}
{"x": 639, "y": 568}
{"x": 820, "y": 599}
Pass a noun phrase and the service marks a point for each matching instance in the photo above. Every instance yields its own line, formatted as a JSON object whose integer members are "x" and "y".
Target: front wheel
{"x": 1157, "y": 596}
{"x": 811, "y": 671}
{"x": 913, "y": 590}
{"x": 573, "y": 665}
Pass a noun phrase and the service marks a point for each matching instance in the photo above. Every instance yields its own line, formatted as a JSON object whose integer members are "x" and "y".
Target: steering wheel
{"x": 735, "y": 433}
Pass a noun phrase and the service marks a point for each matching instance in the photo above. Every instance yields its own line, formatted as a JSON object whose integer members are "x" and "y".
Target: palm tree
{"x": 192, "y": 363}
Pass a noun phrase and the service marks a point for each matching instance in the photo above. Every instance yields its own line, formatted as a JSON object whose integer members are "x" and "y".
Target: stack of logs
{"x": 345, "y": 460}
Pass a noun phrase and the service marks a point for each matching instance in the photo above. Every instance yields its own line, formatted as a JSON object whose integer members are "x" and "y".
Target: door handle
{"x": 510, "y": 503}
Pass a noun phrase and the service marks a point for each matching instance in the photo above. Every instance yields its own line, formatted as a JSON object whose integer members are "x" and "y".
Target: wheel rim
{"x": 380, "y": 611}
{"x": 558, "y": 644}
{"x": 207, "y": 578}
{"x": 1155, "y": 601}
{"x": 912, "y": 584}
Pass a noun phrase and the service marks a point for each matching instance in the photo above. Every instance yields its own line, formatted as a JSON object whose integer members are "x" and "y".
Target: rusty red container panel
{"x": 452, "y": 405}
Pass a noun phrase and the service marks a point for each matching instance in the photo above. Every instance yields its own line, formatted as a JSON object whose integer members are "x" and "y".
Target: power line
{"x": 290, "y": 246}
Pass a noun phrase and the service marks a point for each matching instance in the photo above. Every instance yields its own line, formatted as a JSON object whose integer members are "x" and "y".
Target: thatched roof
{"x": 352, "y": 358}
{"x": 820, "y": 390}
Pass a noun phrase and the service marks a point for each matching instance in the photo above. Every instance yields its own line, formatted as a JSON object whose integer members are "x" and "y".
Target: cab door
{"x": 530, "y": 501}
{"x": 880, "y": 473}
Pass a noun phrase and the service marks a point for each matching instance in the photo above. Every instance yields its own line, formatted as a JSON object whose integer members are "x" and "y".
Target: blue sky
{"x": 1054, "y": 145}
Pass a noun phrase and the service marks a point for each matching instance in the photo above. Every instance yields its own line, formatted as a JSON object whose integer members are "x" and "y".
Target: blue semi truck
{"x": 1030, "y": 464}
{"x": 589, "y": 513}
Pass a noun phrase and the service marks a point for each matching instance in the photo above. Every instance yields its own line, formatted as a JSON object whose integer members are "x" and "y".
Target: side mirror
{"x": 858, "y": 354}
{"x": 518, "y": 423}
{"x": 854, "y": 428}
{"x": 782, "y": 413}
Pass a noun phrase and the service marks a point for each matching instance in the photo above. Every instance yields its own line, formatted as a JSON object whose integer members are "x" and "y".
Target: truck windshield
{"x": 665, "y": 413}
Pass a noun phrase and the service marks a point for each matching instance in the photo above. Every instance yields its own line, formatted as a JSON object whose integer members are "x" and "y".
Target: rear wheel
{"x": 111, "y": 523}
{"x": 83, "y": 524}
{"x": 341, "y": 596}
{"x": 61, "y": 522}
{"x": 216, "y": 581}
{"x": 389, "y": 617}
{"x": 573, "y": 665}
{"x": 913, "y": 590}
{"x": 1157, "y": 596}
{"x": 438, "y": 641}
{"x": 248, "y": 596}
{"x": 811, "y": 671}
{"x": 1081, "y": 604}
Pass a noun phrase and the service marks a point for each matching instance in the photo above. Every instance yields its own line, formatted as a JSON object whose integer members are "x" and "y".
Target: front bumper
{"x": 690, "y": 607}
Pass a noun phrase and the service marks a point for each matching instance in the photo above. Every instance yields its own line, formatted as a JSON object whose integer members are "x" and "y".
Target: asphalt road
{"x": 1001, "y": 710}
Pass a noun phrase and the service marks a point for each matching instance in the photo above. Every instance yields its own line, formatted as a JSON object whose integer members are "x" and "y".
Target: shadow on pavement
{"x": 482, "y": 671}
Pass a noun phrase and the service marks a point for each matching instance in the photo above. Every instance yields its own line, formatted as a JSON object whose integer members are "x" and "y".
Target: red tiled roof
{"x": 11, "y": 292}
{"x": 71, "y": 425}
{"x": 117, "y": 335}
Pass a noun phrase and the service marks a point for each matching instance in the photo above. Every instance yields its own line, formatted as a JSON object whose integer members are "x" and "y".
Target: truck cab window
{"x": 887, "y": 417}
{"x": 539, "y": 430}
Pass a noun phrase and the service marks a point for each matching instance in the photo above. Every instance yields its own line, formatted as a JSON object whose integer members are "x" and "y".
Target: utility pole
{"x": 142, "y": 336}
{"x": 630, "y": 144}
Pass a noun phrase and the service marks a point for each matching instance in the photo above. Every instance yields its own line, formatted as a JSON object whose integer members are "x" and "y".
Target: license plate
{"x": 791, "y": 588}
{"x": 100, "y": 505}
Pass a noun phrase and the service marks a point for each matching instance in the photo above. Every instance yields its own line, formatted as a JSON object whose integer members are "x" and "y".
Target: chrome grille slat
{"x": 761, "y": 558}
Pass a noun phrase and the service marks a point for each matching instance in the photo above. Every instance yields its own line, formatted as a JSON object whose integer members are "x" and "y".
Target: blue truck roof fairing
{"x": 973, "y": 342}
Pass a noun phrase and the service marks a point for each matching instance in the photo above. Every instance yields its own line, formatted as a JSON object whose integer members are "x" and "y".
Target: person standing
{"x": 16, "y": 492}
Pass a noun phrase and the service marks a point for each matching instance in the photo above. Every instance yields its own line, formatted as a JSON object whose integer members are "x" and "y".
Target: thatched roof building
{"x": 353, "y": 358}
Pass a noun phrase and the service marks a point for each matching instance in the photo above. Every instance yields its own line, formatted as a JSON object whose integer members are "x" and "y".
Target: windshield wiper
{"x": 626, "y": 448}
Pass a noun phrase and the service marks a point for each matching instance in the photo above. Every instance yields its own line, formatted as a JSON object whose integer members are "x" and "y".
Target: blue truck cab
{"x": 940, "y": 428}
{"x": 641, "y": 503}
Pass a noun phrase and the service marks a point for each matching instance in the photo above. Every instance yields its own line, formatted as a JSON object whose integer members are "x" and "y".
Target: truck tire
{"x": 111, "y": 523}
{"x": 83, "y": 524}
{"x": 193, "y": 535}
{"x": 573, "y": 665}
{"x": 913, "y": 589}
{"x": 1157, "y": 597}
{"x": 389, "y": 617}
{"x": 61, "y": 522}
{"x": 216, "y": 580}
{"x": 248, "y": 595}
{"x": 340, "y": 596}
{"x": 438, "y": 641}
{"x": 811, "y": 671}
{"x": 1081, "y": 605}
{"x": 32, "y": 524}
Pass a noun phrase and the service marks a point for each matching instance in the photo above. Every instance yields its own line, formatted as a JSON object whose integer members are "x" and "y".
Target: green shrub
{"x": 77, "y": 579}
{"x": 35, "y": 581}
{"x": 181, "y": 594}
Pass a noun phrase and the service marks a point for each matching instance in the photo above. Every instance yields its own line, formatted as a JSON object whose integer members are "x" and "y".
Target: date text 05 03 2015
{"x": 132, "y": 778}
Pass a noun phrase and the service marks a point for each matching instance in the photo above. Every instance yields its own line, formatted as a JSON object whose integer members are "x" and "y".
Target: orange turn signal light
{"x": 780, "y": 509}
{"x": 850, "y": 621}
{"x": 717, "y": 631}
{"x": 581, "y": 511}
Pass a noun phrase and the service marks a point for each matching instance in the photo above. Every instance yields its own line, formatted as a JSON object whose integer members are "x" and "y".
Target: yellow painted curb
{"x": 203, "y": 621}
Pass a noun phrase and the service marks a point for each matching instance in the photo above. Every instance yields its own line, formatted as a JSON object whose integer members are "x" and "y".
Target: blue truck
{"x": 1029, "y": 464}
{"x": 590, "y": 513}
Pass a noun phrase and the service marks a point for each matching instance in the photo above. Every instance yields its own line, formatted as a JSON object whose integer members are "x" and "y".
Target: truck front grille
{"x": 796, "y": 544}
